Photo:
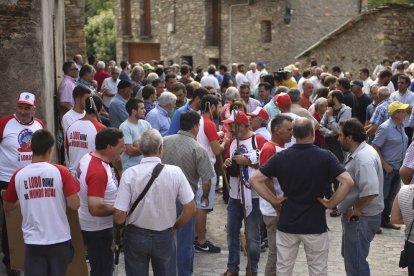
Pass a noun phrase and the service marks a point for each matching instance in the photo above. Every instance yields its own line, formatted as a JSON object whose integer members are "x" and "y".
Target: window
{"x": 127, "y": 17}
{"x": 212, "y": 22}
{"x": 146, "y": 18}
{"x": 266, "y": 31}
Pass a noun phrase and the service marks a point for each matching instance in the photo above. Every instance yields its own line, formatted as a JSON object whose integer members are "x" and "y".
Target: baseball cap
{"x": 287, "y": 69}
{"x": 260, "y": 63}
{"x": 293, "y": 67}
{"x": 148, "y": 66}
{"x": 282, "y": 100}
{"x": 241, "y": 118}
{"x": 27, "y": 98}
{"x": 357, "y": 82}
{"x": 124, "y": 84}
{"x": 259, "y": 112}
{"x": 394, "y": 106}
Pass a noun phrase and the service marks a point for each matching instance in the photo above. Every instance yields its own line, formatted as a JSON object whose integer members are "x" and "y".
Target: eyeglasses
{"x": 74, "y": 69}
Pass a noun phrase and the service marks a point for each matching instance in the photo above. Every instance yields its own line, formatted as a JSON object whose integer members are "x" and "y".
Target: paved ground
{"x": 383, "y": 258}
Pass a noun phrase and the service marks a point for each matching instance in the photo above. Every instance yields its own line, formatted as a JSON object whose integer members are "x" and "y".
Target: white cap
{"x": 27, "y": 98}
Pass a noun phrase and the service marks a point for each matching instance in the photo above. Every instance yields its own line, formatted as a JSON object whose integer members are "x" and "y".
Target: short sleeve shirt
{"x": 132, "y": 133}
{"x": 302, "y": 213}
{"x": 15, "y": 149}
{"x": 117, "y": 111}
{"x": 41, "y": 189}
{"x": 96, "y": 179}
{"x": 80, "y": 140}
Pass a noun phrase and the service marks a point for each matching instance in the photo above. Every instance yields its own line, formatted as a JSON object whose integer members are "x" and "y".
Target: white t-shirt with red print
{"x": 269, "y": 149}
{"x": 96, "y": 179}
{"x": 80, "y": 140}
{"x": 41, "y": 189}
{"x": 15, "y": 140}
{"x": 206, "y": 135}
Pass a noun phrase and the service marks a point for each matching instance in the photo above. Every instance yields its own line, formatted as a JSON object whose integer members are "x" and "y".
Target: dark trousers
{"x": 409, "y": 131}
{"x": 4, "y": 237}
{"x": 410, "y": 258}
{"x": 44, "y": 260}
{"x": 101, "y": 256}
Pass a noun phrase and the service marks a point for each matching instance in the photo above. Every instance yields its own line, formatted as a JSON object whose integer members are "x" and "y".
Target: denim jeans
{"x": 4, "y": 236}
{"x": 356, "y": 239}
{"x": 391, "y": 187}
{"x": 101, "y": 256}
{"x": 185, "y": 245}
{"x": 234, "y": 223}
{"x": 143, "y": 245}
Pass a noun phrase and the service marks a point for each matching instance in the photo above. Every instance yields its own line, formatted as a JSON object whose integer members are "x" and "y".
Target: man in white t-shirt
{"x": 281, "y": 128}
{"x": 16, "y": 132}
{"x": 110, "y": 87}
{"x": 97, "y": 196}
{"x": 210, "y": 80}
{"x": 366, "y": 80}
{"x": 80, "y": 136}
{"x": 80, "y": 93}
{"x": 43, "y": 190}
{"x": 132, "y": 128}
{"x": 252, "y": 76}
{"x": 169, "y": 187}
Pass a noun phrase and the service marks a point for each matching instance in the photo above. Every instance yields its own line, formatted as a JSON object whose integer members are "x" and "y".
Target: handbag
{"x": 403, "y": 255}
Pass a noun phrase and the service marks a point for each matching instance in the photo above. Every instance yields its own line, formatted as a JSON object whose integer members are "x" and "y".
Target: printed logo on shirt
{"x": 37, "y": 187}
{"x": 25, "y": 150}
{"x": 245, "y": 171}
{"x": 78, "y": 140}
{"x": 78, "y": 173}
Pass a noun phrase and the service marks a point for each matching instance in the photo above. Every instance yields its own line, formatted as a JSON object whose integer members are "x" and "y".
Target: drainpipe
{"x": 230, "y": 29}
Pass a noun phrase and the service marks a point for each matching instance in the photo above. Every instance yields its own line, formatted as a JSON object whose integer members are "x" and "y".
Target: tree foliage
{"x": 100, "y": 35}
{"x": 93, "y": 7}
{"x": 376, "y": 3}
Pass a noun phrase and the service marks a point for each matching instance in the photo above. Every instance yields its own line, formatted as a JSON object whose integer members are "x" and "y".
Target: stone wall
{"x": 74, "y": 23}
{"x": 312, "y": 19}
{"x": 364, "y": 42}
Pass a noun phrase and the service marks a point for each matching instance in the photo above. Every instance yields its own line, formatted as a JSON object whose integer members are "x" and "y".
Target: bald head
{"x": 303, "y": 130}
{"x": 383, "y": 93}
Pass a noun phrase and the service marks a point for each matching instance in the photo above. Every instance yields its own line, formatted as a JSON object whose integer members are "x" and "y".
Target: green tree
{"x": 93, "y": 7}
{"x": 375, "y": 3}
{"x": 100, "y": 35}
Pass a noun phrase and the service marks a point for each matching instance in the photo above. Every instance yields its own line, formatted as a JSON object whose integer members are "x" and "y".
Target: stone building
{"x": 33, "y": 49}
{"x": 365, "y": 40}
{"x": 224, "y": 31}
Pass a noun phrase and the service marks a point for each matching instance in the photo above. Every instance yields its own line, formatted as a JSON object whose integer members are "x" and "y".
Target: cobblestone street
{"x": 383, "y": 258}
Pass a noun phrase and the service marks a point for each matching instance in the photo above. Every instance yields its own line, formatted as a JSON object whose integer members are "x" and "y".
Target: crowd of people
{"x": 144, "y": 147}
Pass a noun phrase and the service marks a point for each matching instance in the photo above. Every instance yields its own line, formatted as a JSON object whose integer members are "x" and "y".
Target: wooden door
{"x": 143, "y": 52}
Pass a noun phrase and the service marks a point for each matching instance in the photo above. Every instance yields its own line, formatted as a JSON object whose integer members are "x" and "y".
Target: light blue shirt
{"x": 132, "y": 133}
{"x": 264, "y": 132}
{"x": 392, "y": 141}
{"x": 159, "y": 119}
{"x": 271, "y": 109}
{"x": 117, "y": 111}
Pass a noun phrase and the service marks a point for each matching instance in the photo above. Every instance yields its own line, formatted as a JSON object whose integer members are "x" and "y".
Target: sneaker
{"x": 207, "y": 247}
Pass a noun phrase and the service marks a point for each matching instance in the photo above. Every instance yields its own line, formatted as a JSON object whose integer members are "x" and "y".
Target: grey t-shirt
{"x": 364, "y": 165}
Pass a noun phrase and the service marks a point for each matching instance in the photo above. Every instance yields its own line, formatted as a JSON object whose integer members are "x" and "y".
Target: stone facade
{"x": 365, "y": 40}
{"x": 30, "y": 53}
{"x": 181, "y": 31}
{"x": 74, "y": 24}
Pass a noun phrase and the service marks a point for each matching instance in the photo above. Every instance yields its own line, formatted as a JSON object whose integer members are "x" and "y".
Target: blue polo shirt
{"x": 304, "y": 172}
{"x": 175, "y": 122}
{"x": 117, "y": 111}
{"x": 392, "y": 142}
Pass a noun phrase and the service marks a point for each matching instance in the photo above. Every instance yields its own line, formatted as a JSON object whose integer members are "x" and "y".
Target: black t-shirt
{"x": 304, "y": 171}
{"x": 360, "y": 108}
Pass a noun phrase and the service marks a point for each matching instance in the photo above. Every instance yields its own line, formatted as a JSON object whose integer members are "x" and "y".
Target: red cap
{"x": 241, "y": 118}
{"x": 259, "y": 112}
{"x": 282, "y": 100}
